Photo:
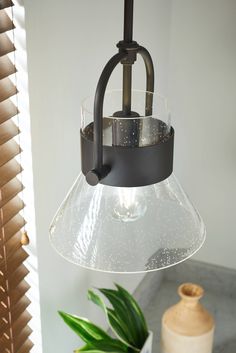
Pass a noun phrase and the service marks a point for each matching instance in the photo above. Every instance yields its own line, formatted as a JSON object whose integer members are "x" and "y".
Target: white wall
{"x": 68, "y": 45}
{"x": 203, "y": 104}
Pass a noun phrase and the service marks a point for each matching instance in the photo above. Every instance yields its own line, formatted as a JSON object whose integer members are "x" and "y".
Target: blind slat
{"x": 17, "y": 278}
{"x": 6, "y": 23}
{"x": 14, "y": 262}
{"x": 28, "y": 345}
{"x": 18, "y": 291}
{"x": 22, "y": 337}
{"x": 17, "y": 326}
{"x": 5, "y": 340}
{"x": 22, "y": 321}
{"x": 7, "y": 68}
{"x": 6, "y": 46}
{"x": 14, "y": 226}
{"x": 4, "y": 309}
{"x": 10, "y": 248}
{"x": 7, "y": 110}
{"x": 17, "y": 294}
{"x": 18, "y": 310}
{"x": 7, "y": 89}
{"x": 8, "y": 151}
{"x": 17, "y": 343}
{"x": 14, "y": 317}
{"x": 8, "y": 130}
{"x": 10, "y": 210}
{"x": 5, "y": 3}
{"x": 10, "y": 190}
{"x": 13, "y": 244}
{"x": 4, "y": 327}
{"x": 9, "y": 171}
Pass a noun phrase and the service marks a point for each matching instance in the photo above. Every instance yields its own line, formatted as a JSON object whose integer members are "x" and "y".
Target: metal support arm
{"x": 99, "y": 170}
{"x": 150, "y": 78}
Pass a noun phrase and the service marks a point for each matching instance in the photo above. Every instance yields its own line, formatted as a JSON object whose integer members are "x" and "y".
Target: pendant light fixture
{"x": 126, "y": 212}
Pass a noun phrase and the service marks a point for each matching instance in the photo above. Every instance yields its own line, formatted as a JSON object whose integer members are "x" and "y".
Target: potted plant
{"x": 125, "y": 319}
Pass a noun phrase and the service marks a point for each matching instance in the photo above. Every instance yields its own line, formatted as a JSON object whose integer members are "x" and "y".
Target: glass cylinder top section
{"x": 139, "y": 128}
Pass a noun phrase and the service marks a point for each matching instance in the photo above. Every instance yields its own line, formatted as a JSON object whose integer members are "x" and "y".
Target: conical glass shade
{"x": 128, "y": 230}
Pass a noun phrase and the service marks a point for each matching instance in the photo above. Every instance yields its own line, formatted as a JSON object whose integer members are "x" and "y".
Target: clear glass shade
{"x": 127, "y": 230}
{"x": 142, "y": 130}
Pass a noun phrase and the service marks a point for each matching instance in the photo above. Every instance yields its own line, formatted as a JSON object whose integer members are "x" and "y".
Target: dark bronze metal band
{"x": 131, "y": 167}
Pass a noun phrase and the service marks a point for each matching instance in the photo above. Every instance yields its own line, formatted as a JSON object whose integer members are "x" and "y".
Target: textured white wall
{"x": 68, "y": 44}
{"x": 203, "y": 103}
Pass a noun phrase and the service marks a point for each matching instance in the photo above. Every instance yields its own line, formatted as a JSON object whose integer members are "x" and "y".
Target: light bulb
{"x": 128, "y": 230}
{"x": 129, "y": 204}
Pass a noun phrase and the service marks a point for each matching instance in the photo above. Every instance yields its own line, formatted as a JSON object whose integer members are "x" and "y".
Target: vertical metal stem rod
{"x": 127, "y": 69}
{"x": 128, "y": 20}
{"x": 127, "y": 89}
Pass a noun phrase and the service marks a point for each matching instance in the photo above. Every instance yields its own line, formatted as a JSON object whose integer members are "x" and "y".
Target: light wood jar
{"x": 187, "y": 326}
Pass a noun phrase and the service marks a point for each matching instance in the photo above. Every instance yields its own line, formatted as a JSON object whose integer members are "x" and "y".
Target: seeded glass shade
{"x": 127, "y": 229}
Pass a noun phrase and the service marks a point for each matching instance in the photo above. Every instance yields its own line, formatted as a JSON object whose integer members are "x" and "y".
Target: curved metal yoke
{"x": 117, "y": 165}
{"x": 125, "y": 56}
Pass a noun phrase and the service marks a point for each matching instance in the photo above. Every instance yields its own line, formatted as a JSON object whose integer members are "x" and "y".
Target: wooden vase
{"x": 187, "y": 326}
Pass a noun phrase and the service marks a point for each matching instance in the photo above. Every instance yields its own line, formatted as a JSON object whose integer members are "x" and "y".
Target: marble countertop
{"x": 158, "y": 291}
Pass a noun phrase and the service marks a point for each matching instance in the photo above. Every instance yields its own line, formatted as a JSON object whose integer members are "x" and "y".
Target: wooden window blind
{"x": 14, "y": 318}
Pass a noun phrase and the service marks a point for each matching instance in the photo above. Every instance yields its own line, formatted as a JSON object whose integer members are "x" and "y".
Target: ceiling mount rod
{"x": 127, "y": 66}
{"x": 128, "y": 20}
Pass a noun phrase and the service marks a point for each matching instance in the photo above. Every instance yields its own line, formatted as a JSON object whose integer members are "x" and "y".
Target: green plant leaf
{"x": 111, "y": 345}
{"x": 122, "y": 314}
{"x": 85, "y": 329}
{"x": 131, "y": 301}
{"x": 93, "y": 350}
{"x": 87, "y": 347}
{"x": 136, "y": 314}
{"x": 97, "y": 350}
{"x": 105, "y": 346}
{"x": 116, "y": 325}
{"x": 96, "y": 300}
{"x": 125, "y": 318}
{"x": 119, "y": 329}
